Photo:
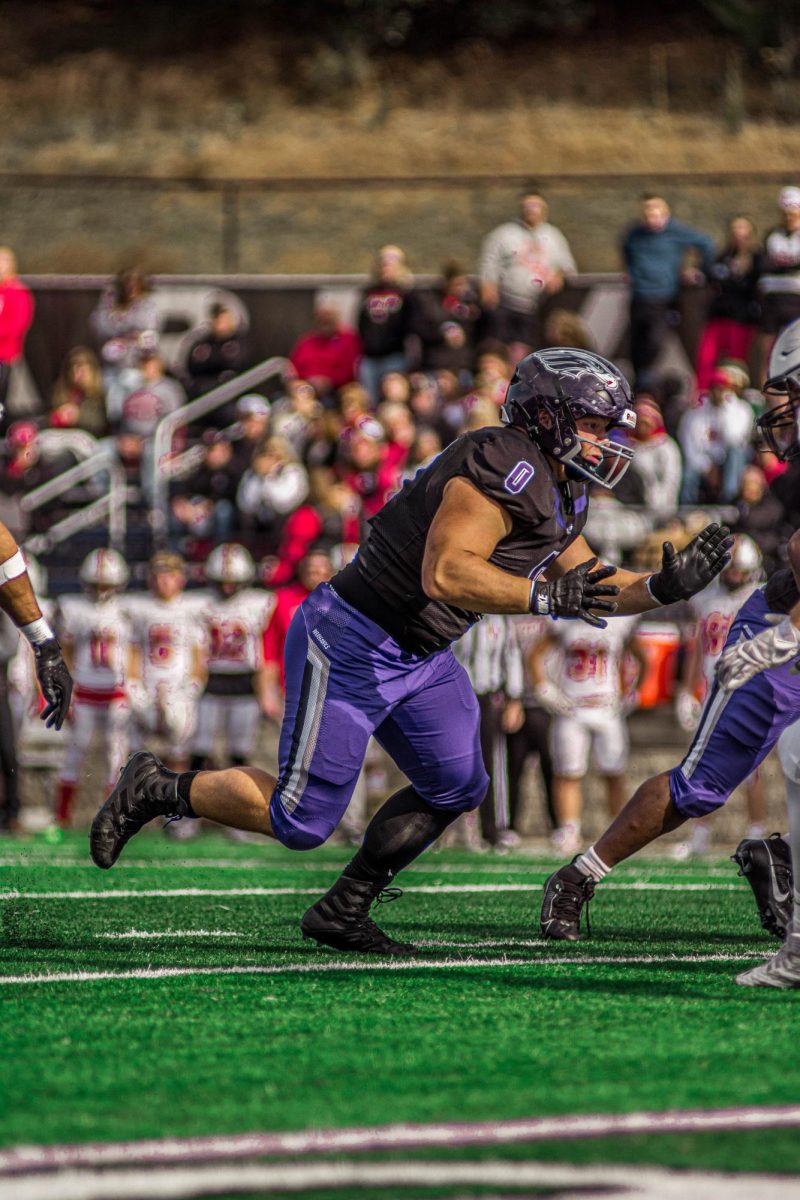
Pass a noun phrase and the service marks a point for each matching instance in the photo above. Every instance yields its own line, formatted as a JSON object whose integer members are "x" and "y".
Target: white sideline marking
{"x": 632, "y": 1183}
{"x": 400, "y": 1136}
{"x": 439, "y": 964}
{"x": 421, "y": 889}
{"x": 172, "y": 933}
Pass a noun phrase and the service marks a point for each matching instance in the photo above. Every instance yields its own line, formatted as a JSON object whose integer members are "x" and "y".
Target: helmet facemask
{"x": 780, "y": 424}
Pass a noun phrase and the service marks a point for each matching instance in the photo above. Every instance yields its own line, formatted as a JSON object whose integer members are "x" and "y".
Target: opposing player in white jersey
{"x": 166, "y": 662}
{"x": 95, "y": 631}
{"x": 714, "y": 610}
{"x": 583, "y": 686}
{"x": 234, "y": 618}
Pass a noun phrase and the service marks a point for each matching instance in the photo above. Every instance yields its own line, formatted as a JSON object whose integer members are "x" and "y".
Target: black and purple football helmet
{"x": 552, "y": 389}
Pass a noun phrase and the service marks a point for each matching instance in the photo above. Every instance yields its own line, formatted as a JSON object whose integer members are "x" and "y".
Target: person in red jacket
{"x": 331, "y": 515}
{"x": 16, "y": 315}
{"x": 314, "y": 569}
{"x": 329, "y": 354}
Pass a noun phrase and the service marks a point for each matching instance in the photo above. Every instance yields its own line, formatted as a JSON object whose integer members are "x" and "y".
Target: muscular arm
{"x": 462, "y": 536}
{"x": 16, "y": 596}
{"x": 633, "y": 594}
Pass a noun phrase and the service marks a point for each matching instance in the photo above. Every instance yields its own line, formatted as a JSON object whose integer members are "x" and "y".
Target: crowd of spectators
{"x": 367, "y": 401}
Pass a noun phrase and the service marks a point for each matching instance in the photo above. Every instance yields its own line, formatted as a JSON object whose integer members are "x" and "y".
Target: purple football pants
{"x": 737, "y": 729}
{"x": 347, "y": 680}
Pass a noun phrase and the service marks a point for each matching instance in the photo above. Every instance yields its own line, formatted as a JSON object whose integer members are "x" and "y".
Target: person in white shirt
{"x": 715, "y": 440}
{"x": 587, "y": 690}
{"x": 95, "y": 632}
{"x": 233, "y": 618}
{"x": 166, "y": 663}
{"x": 522, "y": 262}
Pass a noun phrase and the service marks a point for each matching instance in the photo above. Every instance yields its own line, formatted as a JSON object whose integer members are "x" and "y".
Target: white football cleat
{"x": 780, "y": 971}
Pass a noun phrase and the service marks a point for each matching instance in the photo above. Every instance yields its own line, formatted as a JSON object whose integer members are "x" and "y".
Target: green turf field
{"x": 173, "y": 996}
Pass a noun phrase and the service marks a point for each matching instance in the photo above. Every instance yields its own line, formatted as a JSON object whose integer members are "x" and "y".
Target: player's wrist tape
{"x": 12, "y": 568}
{"x": 37, "y": 631}
{"x": 539, "y": 599}
{"x": 648, "y": 583}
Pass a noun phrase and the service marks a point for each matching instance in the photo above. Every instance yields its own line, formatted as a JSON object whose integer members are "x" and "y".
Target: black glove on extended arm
{"x": 685, "y": 573}
{"x": 54, "y": 680}
{"x": 575, "y": 594}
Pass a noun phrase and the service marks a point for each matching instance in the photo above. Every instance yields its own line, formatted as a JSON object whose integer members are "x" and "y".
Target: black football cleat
{"x": 766, "y": 863}
{"x": 341, "y": 919}
{"x": 145, "y": 789}
{"x": 565, "y": 893}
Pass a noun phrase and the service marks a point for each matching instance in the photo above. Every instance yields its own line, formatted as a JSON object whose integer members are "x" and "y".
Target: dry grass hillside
{"x": 257, "y": 107}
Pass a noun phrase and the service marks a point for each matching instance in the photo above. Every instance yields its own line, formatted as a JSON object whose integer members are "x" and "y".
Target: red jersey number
{"x": 229, "y": 642}
{"x": 159, "y": 645}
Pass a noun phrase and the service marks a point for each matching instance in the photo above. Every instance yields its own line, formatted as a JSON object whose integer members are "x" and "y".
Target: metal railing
{"x": 112, "y": 504}
{"x": 165, "y": 431}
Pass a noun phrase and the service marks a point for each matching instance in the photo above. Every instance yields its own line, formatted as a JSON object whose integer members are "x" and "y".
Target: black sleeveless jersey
{"x": 385, "y": 578}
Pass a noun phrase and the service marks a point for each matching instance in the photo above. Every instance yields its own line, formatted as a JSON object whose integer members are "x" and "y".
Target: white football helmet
{"x": 779, "y": 425}
{"x": 105, "y": 570}
{"x": 230, "y": 563}
{"x": 746, "y": 565}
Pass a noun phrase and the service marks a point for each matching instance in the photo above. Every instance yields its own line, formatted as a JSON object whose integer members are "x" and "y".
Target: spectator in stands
{"x": 78, "y": 399}
{"x": 779, "y": 285}
{"x": 366, "y": 464}
{"x": 216, "y": 479}
{"x": 562, "y": 327}
{"x": 219, "y": 351}
{"x": 446, "y": 319}
{"x": 24, "y": 469}
{"x": 274, "y": 485}
{"x": 762, "y": 517}
{"x": 125, "y": 321}
{"x": 733, "y": 309}
{"x": 157, "y": 395}
{"x": 655, "y": 251}
{"x": 493, "y": 371}
{"x": 653, "y": 478}
{"x": 401, "y": 431}
{"x": 295, "y": 415}
{"x": 427, "y": 446}
{"x": 383, "y": 319}
{"x": 330, "y": 516}
{"x": 715, "y": 440}
{"x": 522, "y": 262}
{"x": 313, "y": 569}
{"x": 327, "y": 356}
{"x": 249, "y": 431}
{"x": 16, "y": 315}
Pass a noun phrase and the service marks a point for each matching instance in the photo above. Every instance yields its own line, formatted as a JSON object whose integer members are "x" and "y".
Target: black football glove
{"x": 576, "y": 594}
{"x": 684, "y": 574}
{"x": 55, "y": 682}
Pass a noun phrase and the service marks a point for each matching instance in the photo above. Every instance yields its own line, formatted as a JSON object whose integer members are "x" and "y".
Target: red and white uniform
{"x": 234, "y": 630}
{"x": 714, "y": 609}
{"x": 98, "y": 632}
{"x": 589, "y": 677}
{"x": 168, "y": 636}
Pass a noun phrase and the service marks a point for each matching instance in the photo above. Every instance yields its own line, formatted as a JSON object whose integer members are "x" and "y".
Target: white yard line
{"x": 403, "y": 964}
{"x": 421, "y": 889}
{"x": 400, "y": 1136}
{"x": 124, "y": 935}
{"x": 344, "y": 1178}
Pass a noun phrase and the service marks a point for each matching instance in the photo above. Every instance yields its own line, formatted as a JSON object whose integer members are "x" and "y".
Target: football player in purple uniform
{"x": 754, "y": 701}
{"x": 492, "y": 525}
